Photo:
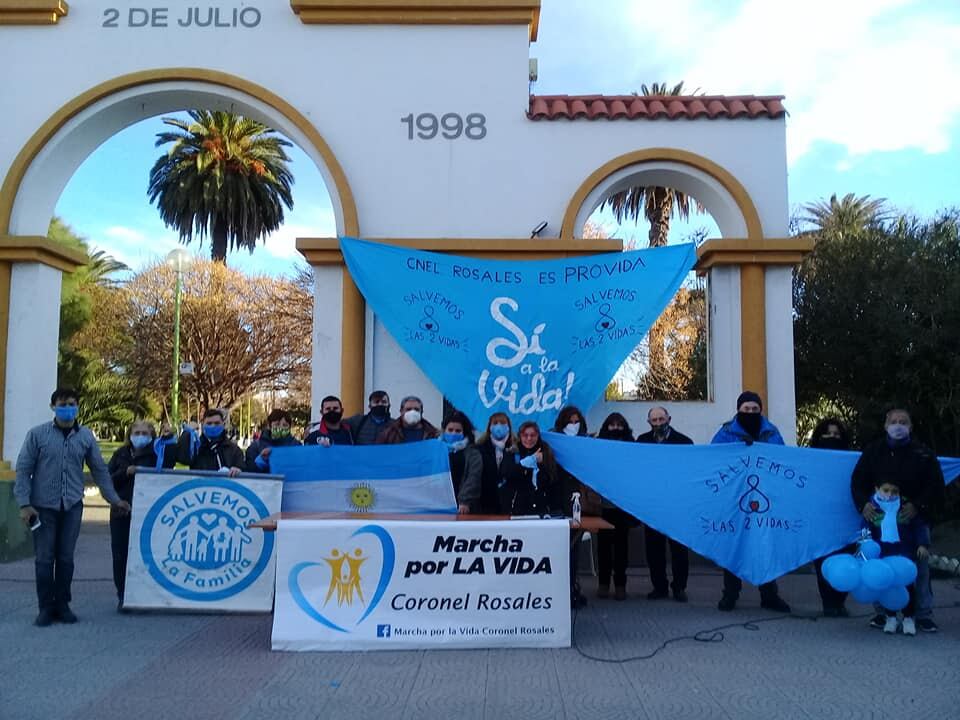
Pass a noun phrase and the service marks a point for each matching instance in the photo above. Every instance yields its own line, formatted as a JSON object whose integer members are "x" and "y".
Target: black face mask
{"x": 751, "y": 423}
{"x": 611, "y": 434}
{"x": 379, "y": 412}
{"x": 832, "y": 443}
{"x": 332, "y": 417}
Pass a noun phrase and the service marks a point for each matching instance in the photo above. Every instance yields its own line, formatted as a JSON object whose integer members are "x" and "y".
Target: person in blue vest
{"x": 276, "y": 434}
{"x": 749, "y": 426}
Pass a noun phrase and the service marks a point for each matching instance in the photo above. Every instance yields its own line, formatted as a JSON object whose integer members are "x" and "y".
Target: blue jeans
{"x": 54, "y": 543}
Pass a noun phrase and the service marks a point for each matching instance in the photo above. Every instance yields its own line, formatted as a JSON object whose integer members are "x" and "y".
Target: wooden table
{"x": 269, "y": 524}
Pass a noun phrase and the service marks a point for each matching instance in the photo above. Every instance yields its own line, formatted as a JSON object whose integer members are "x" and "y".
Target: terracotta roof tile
{"x": 650, "y": 107}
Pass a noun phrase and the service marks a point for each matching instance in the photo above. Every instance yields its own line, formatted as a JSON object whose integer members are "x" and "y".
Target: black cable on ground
{"x": 714, "y": 635}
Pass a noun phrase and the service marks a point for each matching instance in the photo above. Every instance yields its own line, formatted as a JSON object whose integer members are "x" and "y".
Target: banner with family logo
{"x": 524, "y": 338}
{"x": 366, "y": 585}
{"x": 759, "y": 511}
{"x": 191, "y": 545}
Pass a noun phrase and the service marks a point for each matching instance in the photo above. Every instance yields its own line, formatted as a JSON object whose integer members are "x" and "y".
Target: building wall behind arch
{"x": 355, "y": 83}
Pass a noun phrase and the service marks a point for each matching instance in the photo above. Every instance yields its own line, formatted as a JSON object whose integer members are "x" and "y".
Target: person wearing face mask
{"x": 495, "y": 444}
{"x": 139, "y": 452}
{"x": 898, "y": 458}
{"x": 366, "y": 428}
{"x": 830, "y": 434}
{"x": 332, "y": 429}
{"x": 530, "y": 476}
{"x": 213, "y": 449}
{"x": 662, "y": 432}
{"x": 49, "y": 491}
{"x": 749, "y": 426}
{"x": 466, "y": 465}
{"x": 410, "y": 426}
{"x": 570, "y": 421}
{"x": 612, "y": 544}
{"x": 898, "y": 536}
{"x": 276, "y": 434}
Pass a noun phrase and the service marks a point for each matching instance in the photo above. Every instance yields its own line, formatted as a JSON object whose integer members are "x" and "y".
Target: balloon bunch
{"x": 871, "y": 579}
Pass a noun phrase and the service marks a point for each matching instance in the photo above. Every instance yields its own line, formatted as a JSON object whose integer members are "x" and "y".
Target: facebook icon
{"x": 383, "y": 631}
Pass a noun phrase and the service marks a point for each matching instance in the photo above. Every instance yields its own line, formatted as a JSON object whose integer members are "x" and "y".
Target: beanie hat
{"x": 749, "y": 396}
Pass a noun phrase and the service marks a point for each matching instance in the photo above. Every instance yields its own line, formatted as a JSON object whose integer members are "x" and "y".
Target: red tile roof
{"x": 654, "y": 107}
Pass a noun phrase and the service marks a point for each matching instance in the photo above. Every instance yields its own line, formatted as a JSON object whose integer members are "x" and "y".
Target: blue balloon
{"x": 870, "y": 549}
{"x": 865, "y": 595}
{"x": 842, "y": 572}
{"x": 904, "y": 569}
{"x": 877, "y": 574}
{"x": 895, "y": 598}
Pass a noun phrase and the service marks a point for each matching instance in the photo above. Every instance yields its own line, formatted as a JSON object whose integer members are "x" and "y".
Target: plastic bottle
{"x": 576, "y": 507}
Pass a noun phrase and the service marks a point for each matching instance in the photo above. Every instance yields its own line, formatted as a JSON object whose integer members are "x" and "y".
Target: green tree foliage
{"x": 877, "y": 322}
{"x": 223, "y": 175}
{"x": 108, "y": 402}
{"x": 244, "y": 334}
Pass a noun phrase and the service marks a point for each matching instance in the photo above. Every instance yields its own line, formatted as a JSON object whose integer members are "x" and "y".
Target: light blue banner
{"x": 520, "y": 337}
{"x": 759, "y": 511}
{"x": 406, "y": 478}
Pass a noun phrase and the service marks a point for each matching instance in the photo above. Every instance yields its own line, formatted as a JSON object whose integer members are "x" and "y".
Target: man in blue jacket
{"x": 749, "y": 426}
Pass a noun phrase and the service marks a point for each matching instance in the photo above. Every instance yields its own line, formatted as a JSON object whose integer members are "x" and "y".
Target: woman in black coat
{"x": 530, "y": 476}
{"x": 139, "y": 452}
{"x": 830, "y": 434}
{"x": 612, "y": 544}
{"x": 495, "y": 445}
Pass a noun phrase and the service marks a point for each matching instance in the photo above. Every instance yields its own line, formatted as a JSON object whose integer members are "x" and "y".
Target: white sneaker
{"x": 909, "y": 626}
{"x": 890, "y": 627}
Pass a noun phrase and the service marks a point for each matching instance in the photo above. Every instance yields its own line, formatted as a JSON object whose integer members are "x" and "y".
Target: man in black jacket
{"x": 213, "y": 450}
{"x": 367, "y": 428}
{"x": 898, "y": 458}
{"x": 662, "y": 432}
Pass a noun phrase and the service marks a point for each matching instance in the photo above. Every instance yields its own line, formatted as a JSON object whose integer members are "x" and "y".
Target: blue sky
{"x": 870, "y": 85}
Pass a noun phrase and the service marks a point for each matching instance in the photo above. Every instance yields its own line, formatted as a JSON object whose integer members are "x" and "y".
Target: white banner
{"x": 356, "y": 585}
{"x": 191, "y": 546}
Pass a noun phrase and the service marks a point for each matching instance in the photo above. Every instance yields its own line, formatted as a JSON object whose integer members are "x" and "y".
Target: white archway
{"x": 52, "y": 168}
{"x": 719, "y": 203}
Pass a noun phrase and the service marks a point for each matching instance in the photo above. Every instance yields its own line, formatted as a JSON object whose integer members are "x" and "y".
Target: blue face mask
{"x": 499, "y": 431}
{"x": 140, "y": 441}
{"x": 451, "y": 438}
{"x": 66, "y": 413}
{"x": 213, "y": 432}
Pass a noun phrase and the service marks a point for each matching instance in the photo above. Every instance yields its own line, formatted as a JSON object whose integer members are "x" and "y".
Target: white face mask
{"x": 412, "y": 417}
{"x": 571, "y": 429}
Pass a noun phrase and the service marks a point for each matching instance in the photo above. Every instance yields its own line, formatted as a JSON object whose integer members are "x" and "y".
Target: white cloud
{"x": 868, "y": 75}
{"x": 312, "y": 221}
{"x": 120, "y": 232}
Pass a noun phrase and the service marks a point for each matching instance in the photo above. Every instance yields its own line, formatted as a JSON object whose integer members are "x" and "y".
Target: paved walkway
{"x": 208, "y": 667}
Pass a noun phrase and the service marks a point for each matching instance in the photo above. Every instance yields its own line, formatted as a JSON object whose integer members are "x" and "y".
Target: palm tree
{"x": 223, "y": 174}
{"x": 850, "y": 215}
{"x": 659, "y": 204}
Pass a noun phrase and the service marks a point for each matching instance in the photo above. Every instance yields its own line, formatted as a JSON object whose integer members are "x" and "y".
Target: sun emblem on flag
{"x": 361, "y": 497}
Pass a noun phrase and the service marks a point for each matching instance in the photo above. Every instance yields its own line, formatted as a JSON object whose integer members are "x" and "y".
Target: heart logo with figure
{"x": 345, "y": 587}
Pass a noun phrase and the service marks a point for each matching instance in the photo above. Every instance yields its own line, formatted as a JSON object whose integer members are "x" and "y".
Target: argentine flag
{"x": 409, "y": 478}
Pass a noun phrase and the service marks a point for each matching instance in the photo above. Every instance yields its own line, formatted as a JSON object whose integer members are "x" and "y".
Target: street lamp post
{"x": 178, "y": 259}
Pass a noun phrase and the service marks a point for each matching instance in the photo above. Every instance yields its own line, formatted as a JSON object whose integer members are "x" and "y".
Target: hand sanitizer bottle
{"x": 576, "y": 507}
